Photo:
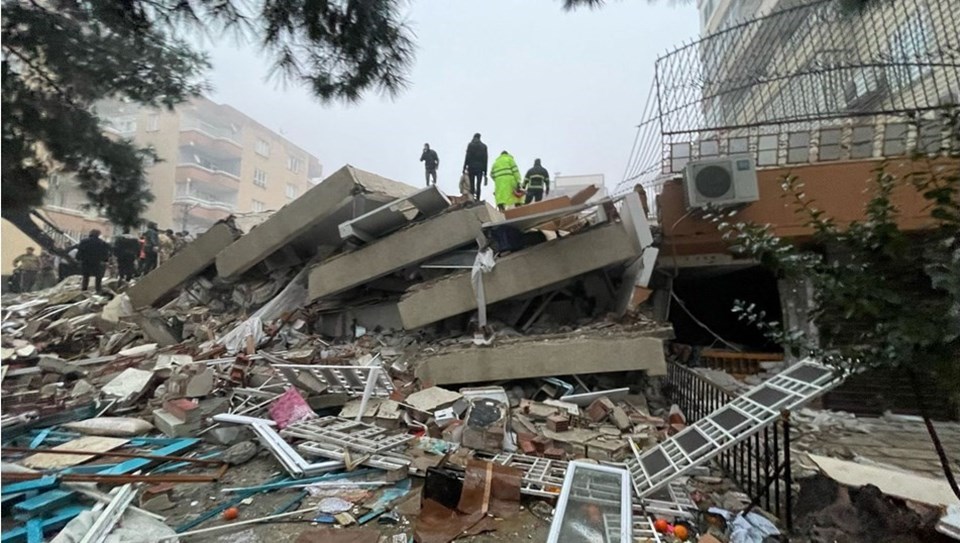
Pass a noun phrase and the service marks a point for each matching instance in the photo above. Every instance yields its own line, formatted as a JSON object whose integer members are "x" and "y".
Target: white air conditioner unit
{"x": 720, "y": 181}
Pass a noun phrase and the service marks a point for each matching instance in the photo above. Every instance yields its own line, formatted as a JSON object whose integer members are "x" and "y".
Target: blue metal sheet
{"x": 43, "y": 502}
{"x": 42, "y": 483}
{"x": 177, "y": 446}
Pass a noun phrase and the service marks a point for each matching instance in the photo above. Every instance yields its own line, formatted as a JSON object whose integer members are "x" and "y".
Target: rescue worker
{"x": 506, "y": 180}
{"x": 536, "y": 182}
{"x": 167, "y": 245}
{"x": 93, "y": 254}
{"x": 431, "y": 161}
{"x": 28, "y": 265}
{"x": 475, "y": 162}
{"x": 48, "y": 271}
{"x": 126, "y": 248}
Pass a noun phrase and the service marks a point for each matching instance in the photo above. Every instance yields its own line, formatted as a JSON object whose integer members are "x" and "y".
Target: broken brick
{"x": 554, "y": 453}
{"x": 599, "y": 409}
{"x": 558, "y": 423}
{"x": 541, "y": 443}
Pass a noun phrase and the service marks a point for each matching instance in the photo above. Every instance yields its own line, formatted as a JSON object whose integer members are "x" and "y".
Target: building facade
{"x": 214, "y": 161}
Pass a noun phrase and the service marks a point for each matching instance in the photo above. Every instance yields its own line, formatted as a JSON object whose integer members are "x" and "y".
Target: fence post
{"x": 787, "y": 473}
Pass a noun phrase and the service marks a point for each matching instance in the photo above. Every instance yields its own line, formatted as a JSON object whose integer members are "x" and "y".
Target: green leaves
{"x": 882, "y": 296}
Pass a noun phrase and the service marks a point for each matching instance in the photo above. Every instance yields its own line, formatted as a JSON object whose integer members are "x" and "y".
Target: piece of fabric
{"x": 483, "y": 263}
{"x": 289, "y": 408}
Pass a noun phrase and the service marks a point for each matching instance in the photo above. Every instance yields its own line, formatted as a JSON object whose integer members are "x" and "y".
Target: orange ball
{"x": 231, "y": 514}
{"x": 661, "y": 525}
{"x": 680, "y": 532}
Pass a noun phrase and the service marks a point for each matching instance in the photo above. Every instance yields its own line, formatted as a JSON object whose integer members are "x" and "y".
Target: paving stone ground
{"x": 903, "y": 444}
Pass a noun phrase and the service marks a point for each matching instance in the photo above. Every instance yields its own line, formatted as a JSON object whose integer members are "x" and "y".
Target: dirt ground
{"x": 193, "y": 500}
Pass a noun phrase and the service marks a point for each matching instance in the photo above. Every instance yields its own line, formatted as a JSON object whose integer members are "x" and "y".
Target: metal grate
{"x": 728, "y": 425}
{"x": 346, "y": 433}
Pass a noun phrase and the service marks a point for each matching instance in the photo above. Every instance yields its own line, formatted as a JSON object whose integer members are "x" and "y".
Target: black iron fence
{"x": 760, "y": 465}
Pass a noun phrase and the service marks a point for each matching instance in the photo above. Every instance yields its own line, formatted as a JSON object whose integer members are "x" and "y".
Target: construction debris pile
{"x": 369, "y": 355}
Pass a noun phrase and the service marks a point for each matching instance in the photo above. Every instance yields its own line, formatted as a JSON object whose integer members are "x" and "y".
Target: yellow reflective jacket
{"x": 506, "y": 179}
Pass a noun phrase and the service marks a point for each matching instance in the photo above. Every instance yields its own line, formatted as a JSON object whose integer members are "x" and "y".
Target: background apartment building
{"x": 215, "y": 161}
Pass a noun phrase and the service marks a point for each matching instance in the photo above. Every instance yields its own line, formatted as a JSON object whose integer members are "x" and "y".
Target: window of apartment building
{"x": 738, "y": 146}
{"x": 706, "y": 10}
{"x": 798, "y": 147}
{"x": 679, "y": 156}
{"x": 894, "y": 139}
{"x": 262, "y": 147}
{"x": 909, "y": 44}
{"x": 930, "y": 137}
{"x": 153, "y": 122}
{"x": 830, "y": 143}
{"x": 294, "y": 164}
{"x": 767, "y": 150}
{"x": 260, "y": 178}
{"x": 292, "y": 191}
{"x": 709, "y": 148}
{"x": 861, "y": 142}
{"x": 125, "y": 126}
{"x": 258, "y": 206}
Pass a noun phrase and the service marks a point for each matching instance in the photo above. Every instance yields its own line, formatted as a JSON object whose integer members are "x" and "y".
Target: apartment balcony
{"x": 193, "y": 171}
{"x": 189, "y": 205}
{"x": 206, "y": 135}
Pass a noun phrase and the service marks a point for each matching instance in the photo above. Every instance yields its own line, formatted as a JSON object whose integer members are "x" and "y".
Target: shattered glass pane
{"x": 729, "y": 419}
{"x": 768, "y": 397}
{"x": 807, "y": 374}
{"x": 655, "y": 462}
{"x": 691, "y": 440}
{"x": 593, "y": 508}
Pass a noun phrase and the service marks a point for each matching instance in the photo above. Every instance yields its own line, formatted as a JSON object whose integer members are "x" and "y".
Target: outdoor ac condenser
{"x": 720, "y": 181}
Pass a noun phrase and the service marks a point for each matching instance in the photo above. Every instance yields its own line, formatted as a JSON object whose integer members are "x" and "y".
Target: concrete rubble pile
{"x": 377, "y": 359}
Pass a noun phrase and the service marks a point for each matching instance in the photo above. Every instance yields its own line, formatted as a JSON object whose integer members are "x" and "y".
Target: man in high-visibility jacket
{"x": 536, "y": 182}
{"x": 506, "y": 181}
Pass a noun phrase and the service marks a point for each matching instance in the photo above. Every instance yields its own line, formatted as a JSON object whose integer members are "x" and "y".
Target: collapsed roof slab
{"x": 394, "y": 215}
{"x": 535, "y": 357}
{"x": 312, "y": 219}
{"x": 188, "y": 262}
{"x": 407, "y": 247}
{"x": 520, "y": 272}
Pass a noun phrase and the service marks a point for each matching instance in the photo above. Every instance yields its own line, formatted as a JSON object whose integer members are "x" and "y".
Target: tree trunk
{"x": 932, "y": 430}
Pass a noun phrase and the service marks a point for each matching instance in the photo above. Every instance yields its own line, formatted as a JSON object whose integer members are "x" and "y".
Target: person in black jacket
{"x": 92, "y": 254}
{"x": 535, "y": 182}
{"x": 126, "y": 248}
{"x": 431, "y": 161}
{"x": 475, "y": 162}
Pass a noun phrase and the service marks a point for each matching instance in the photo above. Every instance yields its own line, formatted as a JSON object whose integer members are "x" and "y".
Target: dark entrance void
{"x": 708, "y": 294}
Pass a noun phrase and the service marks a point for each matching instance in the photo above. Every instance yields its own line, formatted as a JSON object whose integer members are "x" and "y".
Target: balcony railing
{"x": 215, "y": 132}
{"x": 201, "y": 201}
{"x": 211, "y": 168}
{"x": 760, "y": 465}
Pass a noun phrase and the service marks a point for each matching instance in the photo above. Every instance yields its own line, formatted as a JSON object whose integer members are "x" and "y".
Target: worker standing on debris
{"x": 506, "y": 180}
{"x": 28, "y": 264}
{"x": 48, "y": 271}
{"x": 431, "y": 161}
{"x": 151, "y": 248}
{"x": 475, "y": 162}
{"x": 93, "y": 253}
{"x": 536, "y": 182}
{"x": 126, "y": 248}
{"x": 167, "y": 245}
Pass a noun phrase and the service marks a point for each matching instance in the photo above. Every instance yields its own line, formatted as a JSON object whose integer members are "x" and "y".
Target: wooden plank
{"x": 43, "y": 502}
{"x": 907, "y": 486}
{"x": 93, "y": 444}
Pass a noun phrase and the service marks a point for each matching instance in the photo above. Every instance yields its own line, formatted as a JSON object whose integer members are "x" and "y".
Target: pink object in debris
{"x": 290, "y": 407}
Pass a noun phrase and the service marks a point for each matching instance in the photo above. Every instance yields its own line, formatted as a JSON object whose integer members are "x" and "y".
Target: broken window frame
{"x": 626, "y": 499}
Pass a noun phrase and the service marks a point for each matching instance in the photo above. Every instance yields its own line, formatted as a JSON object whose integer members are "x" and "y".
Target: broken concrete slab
{"x": 188, "y": 262}
{"x": 382, "y": 316}
{"x": 129, "y": 385}
{"x": 537, "y": 358}
{"x": 550, "y": 204}
{"x": 171, "y": 426}
{"x": 394, "y": 215}
{"x": 518, "y": 273}
{"x": 408, "y": 247}
{"x": 433, "y": 398}
{"x": 311, "y": 220}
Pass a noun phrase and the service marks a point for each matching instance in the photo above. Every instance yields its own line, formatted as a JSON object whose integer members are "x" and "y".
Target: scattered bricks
{"x": 536, "y": 411}
{"x": 554, "y": 453}
{"x": 599, "y": 409}
{"x": 619, "y": 417}
{"x": 172, "y": 426}
{"x": 558, "y": 423}
{"x": 184, "y": 409}
{"x": 528, "y": 447}
{"x": 604, "y": 450}
{"x": 541, "y": 443}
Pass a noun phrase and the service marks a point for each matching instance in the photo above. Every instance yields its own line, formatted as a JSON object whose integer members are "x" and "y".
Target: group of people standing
{"x": 134, "y": 256}
{"x": 510, "y": 189}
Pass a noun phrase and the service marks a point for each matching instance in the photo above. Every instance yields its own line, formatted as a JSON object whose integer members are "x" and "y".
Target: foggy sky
{"x": 539, "y": 82}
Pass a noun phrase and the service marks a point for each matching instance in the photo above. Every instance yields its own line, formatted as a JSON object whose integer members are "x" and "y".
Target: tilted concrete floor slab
{"x": 394, "y": 215}
{"x": 518, "y": 273}
{"x": 312, "y": 219}
{"x": 535, "y": 357}
{"x": 407, "y": 247}
{"x": 188, "y": 262}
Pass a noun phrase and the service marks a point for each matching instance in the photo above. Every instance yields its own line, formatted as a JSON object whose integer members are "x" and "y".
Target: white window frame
{"x": 626, "y": 499}
{"x": 294, "y": 164}
{"x": 291, "y": 191}
{"x": 257, "y": 206}
{"x": 262, "y": 147}
{"x": 260, "y": 178}
{"x": 153, "y": 122}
